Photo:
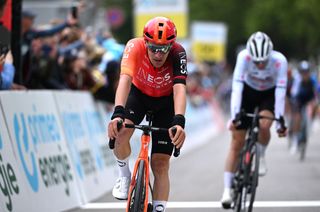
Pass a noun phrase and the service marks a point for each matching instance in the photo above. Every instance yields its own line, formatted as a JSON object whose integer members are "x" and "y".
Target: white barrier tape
{"x": 257, "y": 204}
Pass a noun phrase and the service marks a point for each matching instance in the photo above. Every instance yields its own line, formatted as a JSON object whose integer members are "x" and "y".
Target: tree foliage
{"x": 293, "y": 25}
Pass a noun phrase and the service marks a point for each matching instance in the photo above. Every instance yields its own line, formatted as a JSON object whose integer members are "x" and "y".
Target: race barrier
{"x": 54, "y": 154}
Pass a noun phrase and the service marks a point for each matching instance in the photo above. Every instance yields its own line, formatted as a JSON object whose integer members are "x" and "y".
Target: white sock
{"x": 123, "y": 166}
{"x": 159, "y": 206}
{"x": 262, "y": 149}
{"x": 228, "y": 178}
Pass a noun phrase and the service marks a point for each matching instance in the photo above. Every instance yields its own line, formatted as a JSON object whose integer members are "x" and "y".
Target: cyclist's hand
{"x": 230, "y": 125}
{"x": 179, "y": 137}
{"x": 282, "y": 132}
{"x": 113, "y": 129}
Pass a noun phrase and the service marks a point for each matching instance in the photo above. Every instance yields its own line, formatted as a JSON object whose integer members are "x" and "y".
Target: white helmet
{"x": 259, "y": 46}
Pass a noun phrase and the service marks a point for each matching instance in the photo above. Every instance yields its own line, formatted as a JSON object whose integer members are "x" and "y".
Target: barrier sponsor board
{"x": 40, "y": 151}
{"x": 87, "y": 141}
{"x": 12, "y": 184}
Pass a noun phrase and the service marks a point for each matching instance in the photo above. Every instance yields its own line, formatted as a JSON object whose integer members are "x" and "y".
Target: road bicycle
{"x": 138, "y": 196}
{"x": 245, "y": 182}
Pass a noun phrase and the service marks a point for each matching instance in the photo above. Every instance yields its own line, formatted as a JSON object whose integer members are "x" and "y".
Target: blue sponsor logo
{"x": 24, "y": 146}
{"x": 73, "y": 129}
{"x": 42, "y": 129}
{"x": 95, "y": 129}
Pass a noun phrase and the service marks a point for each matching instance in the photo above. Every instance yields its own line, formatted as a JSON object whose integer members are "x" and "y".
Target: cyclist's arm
{"x": 123, "y": 90}
{"x": 237, "y": 85}
{"x": 281, "y": 86}
{"x": 179, "y": 97}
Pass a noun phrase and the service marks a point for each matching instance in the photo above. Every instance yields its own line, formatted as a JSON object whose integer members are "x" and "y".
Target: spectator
{"x": 7, "y": 69}
{"x": 29, "y": 34}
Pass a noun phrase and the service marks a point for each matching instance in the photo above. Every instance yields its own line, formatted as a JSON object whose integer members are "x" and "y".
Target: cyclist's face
{"x": 261, "y": 64}
{"x": 158, "y": 54}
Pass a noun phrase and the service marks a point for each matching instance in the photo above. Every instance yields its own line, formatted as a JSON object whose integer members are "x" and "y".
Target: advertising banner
{"x": 209, "y": 41}
{"x": 87, "y": 140}
{"x": 41, "y": 154}
{"x": 176, "y": 10}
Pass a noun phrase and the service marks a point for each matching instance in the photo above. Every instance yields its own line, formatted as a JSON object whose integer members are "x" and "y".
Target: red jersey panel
{"x": 155, "y": 82}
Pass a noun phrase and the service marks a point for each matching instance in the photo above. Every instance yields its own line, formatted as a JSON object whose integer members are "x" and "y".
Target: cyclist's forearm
{"x": 236, "y": 97}
{"x": 123, "y": 90}
{"x": 179, "y": 98}
{"x": 280, "y": 95}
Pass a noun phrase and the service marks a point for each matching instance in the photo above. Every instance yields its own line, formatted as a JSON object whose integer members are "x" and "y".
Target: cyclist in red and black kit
{"x": 153, "y": 77}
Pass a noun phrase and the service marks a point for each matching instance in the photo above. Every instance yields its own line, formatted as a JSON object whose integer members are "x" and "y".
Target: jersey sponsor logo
{"x": 183, "y": 62}
{"x": 163, "y": 142}
{"x": 127, "y": 50}
{"x": 150, "y": 79}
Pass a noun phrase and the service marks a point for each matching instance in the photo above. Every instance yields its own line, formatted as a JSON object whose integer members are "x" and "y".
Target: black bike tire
{"x": 255, "y": 155}
{"x": 239, "y": 186}
{"x": 139, "y": 190}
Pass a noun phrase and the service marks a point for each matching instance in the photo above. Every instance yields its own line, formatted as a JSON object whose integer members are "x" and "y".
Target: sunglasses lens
{"x": 260, "y": 62}
{"x": 158, "y": 48}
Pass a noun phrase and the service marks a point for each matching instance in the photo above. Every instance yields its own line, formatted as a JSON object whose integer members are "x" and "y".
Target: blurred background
{"x": 77, "y": 45}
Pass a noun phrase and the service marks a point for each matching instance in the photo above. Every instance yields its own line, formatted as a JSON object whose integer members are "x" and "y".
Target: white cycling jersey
{"x": 273, "y": 75}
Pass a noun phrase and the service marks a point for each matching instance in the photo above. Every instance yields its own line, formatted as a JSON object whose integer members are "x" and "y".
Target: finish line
{"x": 257, "y": 204}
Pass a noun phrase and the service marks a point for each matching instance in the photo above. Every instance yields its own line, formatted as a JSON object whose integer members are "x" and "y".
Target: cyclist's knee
{"x": 237, "y": 144}
{"x": 124, "y": 137}
{"x": 160, "y": 164}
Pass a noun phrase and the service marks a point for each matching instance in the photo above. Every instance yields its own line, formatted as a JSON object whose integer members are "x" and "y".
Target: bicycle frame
{"x": 141, "y": 176}
{"x": 246, "y": 179}
{"x": 143, "y": 156}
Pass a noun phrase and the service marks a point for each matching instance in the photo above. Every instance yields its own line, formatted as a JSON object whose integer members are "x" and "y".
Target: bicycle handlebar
{"x": 240, "y": 115}
{"x": 144, "y": 128}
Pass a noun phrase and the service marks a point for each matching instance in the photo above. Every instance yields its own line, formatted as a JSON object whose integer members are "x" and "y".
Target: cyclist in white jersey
{"x": 259, "y": 79}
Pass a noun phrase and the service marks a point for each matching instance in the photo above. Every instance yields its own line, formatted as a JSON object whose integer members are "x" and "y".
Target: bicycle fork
{"x": 143, "y": 156}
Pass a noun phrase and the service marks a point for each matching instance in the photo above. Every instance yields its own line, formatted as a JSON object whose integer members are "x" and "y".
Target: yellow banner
{"x": 179, "y": 19}
{"x": 213, "y": 52}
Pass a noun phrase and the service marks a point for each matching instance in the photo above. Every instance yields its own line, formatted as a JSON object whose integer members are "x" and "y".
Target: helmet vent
{"x": 148, "y": 35}
{"x": 171, "y": 37}
{"x": 160, "y": 35}
{"x": 255, "y": 48}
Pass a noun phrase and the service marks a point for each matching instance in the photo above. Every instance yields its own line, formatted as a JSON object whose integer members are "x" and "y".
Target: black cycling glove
{"x": 119, "y": 111}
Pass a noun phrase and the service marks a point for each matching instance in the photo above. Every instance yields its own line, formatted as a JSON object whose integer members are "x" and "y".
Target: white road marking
{"x": 257, "y": 204}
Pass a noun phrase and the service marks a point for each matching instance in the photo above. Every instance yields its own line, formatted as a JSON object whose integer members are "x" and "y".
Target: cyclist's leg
{"x": 122, "y": 150}
{"x": 265, "y": 125}
{"x": 296, "y": 120}
{"x": 237, "y": 142}
{"x": 161, "y": 151}
{"x": 161, "y": 186}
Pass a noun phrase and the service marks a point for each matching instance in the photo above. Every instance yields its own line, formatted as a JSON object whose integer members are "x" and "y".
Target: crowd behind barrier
{"x": 54, "y": 151}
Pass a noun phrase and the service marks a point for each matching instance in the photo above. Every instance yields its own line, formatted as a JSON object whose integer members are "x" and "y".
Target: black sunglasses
{"x": 159, "y": 48}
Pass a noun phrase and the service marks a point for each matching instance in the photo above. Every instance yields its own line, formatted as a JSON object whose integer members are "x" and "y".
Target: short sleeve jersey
{"x": 155, "y": 82}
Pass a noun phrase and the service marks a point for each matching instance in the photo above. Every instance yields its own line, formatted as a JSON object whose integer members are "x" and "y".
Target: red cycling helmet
{"x": 160, "y": 30}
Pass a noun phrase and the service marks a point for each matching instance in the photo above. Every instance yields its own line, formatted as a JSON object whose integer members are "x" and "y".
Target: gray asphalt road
{"x": 197, "y": 179}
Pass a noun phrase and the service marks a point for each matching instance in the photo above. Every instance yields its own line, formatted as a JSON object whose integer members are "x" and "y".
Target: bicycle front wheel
{"x": 138, "y": 194}
{"x": 246, "y": 193}
{"x": 254, "y": 175}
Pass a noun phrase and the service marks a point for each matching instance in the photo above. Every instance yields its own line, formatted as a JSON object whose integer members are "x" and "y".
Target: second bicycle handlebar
{"x": 147, "y": 129}
{"x": 242, "y": 114}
